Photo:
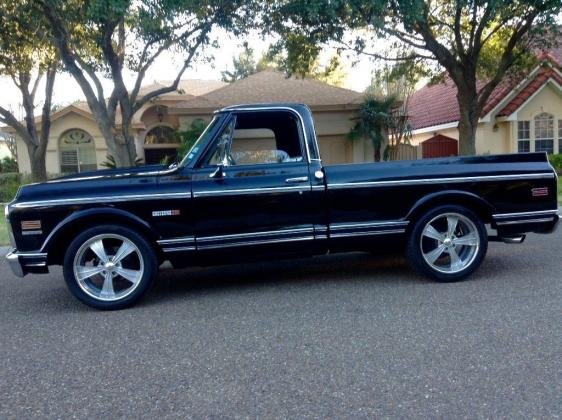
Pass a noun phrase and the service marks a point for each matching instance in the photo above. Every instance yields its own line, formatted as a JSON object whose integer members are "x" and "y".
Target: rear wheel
{"x": 448, "y": 243}
{"x": 109, "y": 267}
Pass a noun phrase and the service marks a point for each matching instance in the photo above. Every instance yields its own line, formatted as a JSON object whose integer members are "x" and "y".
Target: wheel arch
{"x": 483, "y": 209}
{"x": 58, "y": 240}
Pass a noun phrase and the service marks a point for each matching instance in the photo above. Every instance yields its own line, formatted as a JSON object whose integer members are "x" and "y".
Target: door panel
{"x": 252, "y": 205}
{"x": 253, "y": 190}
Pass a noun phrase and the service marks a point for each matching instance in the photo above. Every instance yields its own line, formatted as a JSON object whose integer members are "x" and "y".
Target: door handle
{"x": 297, "y": 179}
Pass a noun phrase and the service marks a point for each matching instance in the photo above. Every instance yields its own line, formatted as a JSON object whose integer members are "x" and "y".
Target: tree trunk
{"x": 377, "y": 156}
{"x": 124, "y": 152}
{"x": 468, "y": 122}
{"x": 37, "y": 163}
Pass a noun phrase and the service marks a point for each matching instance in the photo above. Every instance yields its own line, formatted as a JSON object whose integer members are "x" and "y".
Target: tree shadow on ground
{"x": 335, "y": 269}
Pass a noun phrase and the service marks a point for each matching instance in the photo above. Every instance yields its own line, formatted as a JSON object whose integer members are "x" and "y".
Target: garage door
{"x": 440, "y": 146}
{"x": 335, "y": 149}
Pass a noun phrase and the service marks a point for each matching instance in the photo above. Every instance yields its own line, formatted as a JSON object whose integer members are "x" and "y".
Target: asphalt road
{"x": 339, "y": 336}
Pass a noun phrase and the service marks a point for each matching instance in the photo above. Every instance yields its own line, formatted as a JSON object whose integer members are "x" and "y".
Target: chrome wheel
{"x": 449, "y": 242}
{"x": 108, "y": 267}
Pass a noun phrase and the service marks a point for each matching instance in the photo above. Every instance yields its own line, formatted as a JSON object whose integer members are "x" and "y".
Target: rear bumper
{"x": 538, "y": 222}
{"x": 25, "y": 263}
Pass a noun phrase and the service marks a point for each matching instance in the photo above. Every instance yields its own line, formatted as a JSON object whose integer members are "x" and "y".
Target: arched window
{"x": 161, "y": 135}
{"x": 161, "y": 145}
{"x": 544, "y": 133}
{"x": 77, "y": 152}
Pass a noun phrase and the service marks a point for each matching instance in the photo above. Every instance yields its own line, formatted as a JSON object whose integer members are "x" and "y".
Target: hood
{"x": 91, "y": 184}
{"x": 145, "y": 170}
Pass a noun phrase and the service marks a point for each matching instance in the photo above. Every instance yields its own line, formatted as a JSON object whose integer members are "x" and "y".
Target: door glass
{"x": 257, "y": 138}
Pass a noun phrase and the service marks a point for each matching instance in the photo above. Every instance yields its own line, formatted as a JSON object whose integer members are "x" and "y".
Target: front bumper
{"x": 22, "y": 263}
{"x": 14, "y": 262}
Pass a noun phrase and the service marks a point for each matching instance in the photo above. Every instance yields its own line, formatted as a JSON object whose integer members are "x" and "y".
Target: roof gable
{"x": 529, "y": 90}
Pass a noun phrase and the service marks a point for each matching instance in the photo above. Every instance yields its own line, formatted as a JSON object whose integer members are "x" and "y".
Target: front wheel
{"x": 448, "y": 243}
{"x": 109, "y": 267}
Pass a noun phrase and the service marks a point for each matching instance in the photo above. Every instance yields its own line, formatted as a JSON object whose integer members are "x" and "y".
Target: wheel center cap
{"x": 109, "y": 265}
{"x": 447, "y": 242}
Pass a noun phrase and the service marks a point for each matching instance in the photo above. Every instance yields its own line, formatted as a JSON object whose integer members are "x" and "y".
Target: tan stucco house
{"x": 76, "y": 144}
{"x": 4, "y": 150}
{"x": 523, "y": 115}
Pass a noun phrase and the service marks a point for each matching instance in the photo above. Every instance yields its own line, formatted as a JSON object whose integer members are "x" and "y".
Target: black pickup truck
{"x": 253, "y": 186}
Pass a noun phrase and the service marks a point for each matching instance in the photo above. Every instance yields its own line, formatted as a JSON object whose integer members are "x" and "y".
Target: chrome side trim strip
{"x": 251, "y": 191}
{"x": 423, "y": 181}
{"x": 176, "y": 240}
{"x": 524, "y": 213}
{"x": 339, "y": 226}
{"x": 523, "y": 221}
{"x": 32, "y": 254}
{"x": 368, "y": 233}
{"x": 179, "y": 249}
{"x": 39, "y": 264}
{"x": 260, "y": 242}
{"x": 255, "y": 234}
{"x": 106, "y": 199}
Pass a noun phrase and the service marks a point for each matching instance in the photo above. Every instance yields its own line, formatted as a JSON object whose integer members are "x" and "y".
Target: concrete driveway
{"x": 346, "y": 336}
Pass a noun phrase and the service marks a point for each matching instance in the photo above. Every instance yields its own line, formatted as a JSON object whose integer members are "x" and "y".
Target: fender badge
{"x": 163, "y": 213}
{"x": 539, "y": 192}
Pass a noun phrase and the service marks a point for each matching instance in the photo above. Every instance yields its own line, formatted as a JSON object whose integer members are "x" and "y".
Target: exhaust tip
{"x": 513, "y": 239}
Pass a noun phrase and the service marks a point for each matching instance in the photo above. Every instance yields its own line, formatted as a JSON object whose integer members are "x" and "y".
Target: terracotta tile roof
{"x": 270, "y": 86}
{"x": 543, "y": 77}
{"x": 433, "y": 105}
{"x": 437, "y": 104}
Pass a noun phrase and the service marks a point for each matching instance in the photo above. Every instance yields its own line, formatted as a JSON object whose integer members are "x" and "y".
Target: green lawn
{"x": 3, "y": 230}
{"x": 560, "y": 192}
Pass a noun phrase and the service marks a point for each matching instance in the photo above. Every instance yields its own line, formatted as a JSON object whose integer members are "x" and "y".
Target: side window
{"x": 257, "y": 138}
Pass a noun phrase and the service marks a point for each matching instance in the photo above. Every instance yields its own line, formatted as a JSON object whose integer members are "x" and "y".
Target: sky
{"x": 166, "y": 67}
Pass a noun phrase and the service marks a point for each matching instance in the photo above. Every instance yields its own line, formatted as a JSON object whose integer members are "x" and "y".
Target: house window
{"x": 77, "y": 152}
{"x": 523, "y": 136}
{"x": 544, "y": 133}
{"x": 161, "y": 135}
{"x": 161, "y": 145}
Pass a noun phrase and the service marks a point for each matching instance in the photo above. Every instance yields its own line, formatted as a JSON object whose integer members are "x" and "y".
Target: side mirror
{"x": 218, "y": 173}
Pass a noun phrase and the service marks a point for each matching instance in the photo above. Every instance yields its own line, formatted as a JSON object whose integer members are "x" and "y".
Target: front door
{"x": 252, "y": 189}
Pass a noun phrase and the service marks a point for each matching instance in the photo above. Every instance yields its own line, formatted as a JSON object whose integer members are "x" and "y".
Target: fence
{"x": 406, "y": 152}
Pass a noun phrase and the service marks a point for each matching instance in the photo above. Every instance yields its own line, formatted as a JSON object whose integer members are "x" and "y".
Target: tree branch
{"x": 457, "y": 30}
{"x": 507, "y": 59}
{"x": 7, "y": 118}
{"x": 187, "y": 62}
{"x": 46, "y": 114}
{"x": 60, "y": 38}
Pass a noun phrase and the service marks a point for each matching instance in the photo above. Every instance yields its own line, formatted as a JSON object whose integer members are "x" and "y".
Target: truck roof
{"x": 298, "y": 107}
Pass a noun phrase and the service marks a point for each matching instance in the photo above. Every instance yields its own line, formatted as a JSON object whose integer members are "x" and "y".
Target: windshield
{"x": 195, "y": 149}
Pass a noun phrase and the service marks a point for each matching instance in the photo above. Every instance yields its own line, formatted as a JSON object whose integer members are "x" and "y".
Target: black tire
{"x": 85, "y": 290}
{"x": 467, "y": 221}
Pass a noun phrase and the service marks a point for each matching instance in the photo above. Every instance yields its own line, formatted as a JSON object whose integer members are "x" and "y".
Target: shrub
{"x": 9, "y": 184}
{"x": 8, "y": 164}
{"x": 556, "y": 162}
{"x": 188, "y": 137}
